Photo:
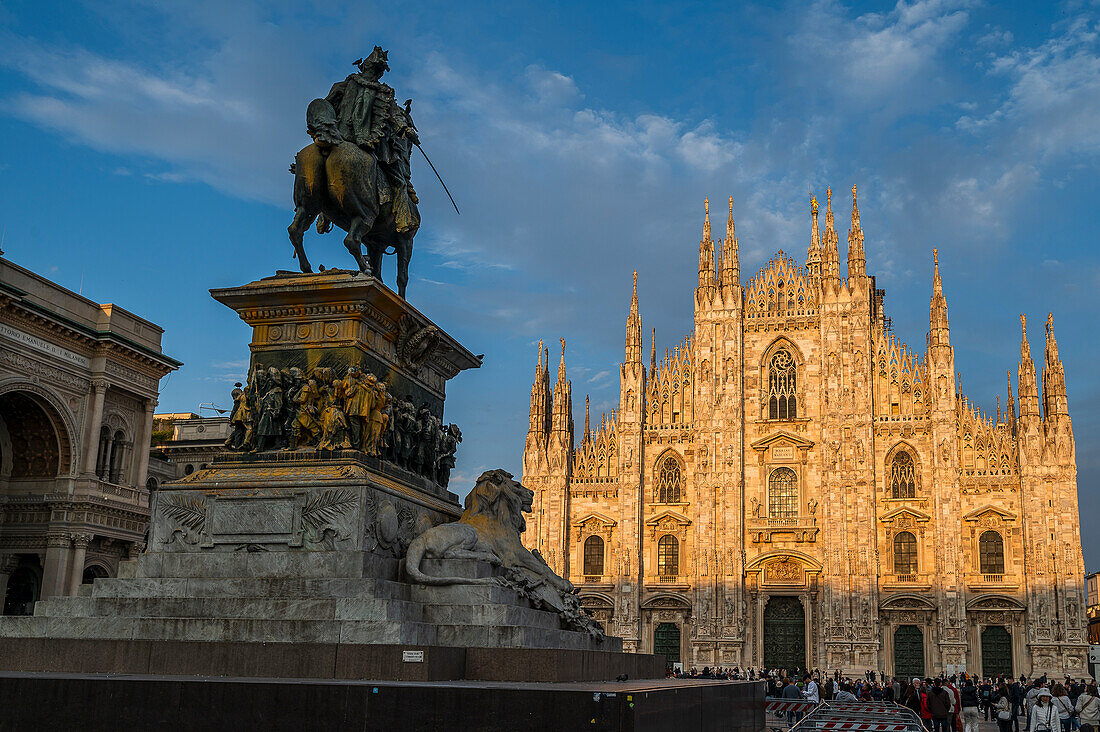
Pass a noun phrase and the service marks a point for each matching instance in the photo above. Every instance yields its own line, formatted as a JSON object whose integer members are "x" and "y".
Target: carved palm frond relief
{"x": 188, "y": 511}
{"x": 327, "y": 510}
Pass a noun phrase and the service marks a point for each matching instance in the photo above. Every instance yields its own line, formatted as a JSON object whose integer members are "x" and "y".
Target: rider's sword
{"x": 437, "y": 175}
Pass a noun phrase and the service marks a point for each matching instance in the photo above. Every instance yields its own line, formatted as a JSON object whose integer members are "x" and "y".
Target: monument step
{"x": 248, "y": 630}
{"x": 234, "y": 608}
{"x": 285, "y": 588}
{"x": 268, "y": 630}
{"x": 511, "y": 636}
{"x": 466, "y": 595}
{"x": 275, "y": 564}
{"x": 465, "y": 568}
{"x": 491, "y": 614}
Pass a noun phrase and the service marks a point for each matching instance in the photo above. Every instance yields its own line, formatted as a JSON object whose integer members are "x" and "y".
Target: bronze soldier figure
{"x": 269, "y": 429}
{"x": 359, "y": 398}
{"x": 378, "y": 419}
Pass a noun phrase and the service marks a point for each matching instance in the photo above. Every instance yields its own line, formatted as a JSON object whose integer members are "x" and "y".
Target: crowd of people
{"x": 953, "y": 703}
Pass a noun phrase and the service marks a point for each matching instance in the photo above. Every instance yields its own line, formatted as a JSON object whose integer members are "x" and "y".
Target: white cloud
{"x": 552, "y": 87}
{"x": 1054, "y": 99}
{"x": 879, "y": 60}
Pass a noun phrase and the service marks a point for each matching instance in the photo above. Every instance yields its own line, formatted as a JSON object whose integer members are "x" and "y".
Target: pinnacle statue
{"x": 356, "y": 173}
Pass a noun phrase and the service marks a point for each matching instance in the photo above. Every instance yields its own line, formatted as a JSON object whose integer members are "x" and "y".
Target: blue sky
{"x": 145, "y": 146}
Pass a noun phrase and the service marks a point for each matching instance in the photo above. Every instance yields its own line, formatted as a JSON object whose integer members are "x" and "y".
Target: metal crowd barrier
{"x": 776, "y": 710}
{"x": 860, "y": 717}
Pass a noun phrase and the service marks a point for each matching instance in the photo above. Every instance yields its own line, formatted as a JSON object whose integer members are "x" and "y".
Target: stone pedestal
{"x": 340, "y": 318}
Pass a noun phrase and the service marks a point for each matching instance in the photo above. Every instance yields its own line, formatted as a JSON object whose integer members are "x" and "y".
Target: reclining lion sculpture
{"x": 489, "y": 530}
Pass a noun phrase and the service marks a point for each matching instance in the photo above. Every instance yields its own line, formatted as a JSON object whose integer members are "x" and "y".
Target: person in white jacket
{"x": 1088, "y": 709}
{"x": 811, "y": 690}
{"x": 1062, "y": 704}
{"x": 1044, "y": 717}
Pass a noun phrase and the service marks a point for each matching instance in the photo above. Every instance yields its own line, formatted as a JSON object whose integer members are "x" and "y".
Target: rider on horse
{"x": 367, "y": 114}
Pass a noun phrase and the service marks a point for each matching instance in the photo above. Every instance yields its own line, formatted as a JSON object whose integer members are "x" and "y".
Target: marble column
{"x": 55, "y": 570}
{"x": 143, "y": 444}
{"x": 758, "y": 634}
{"x": 91, "y": 435}
{"x": 76, "y": 569}
{"x": 808, "y": 627}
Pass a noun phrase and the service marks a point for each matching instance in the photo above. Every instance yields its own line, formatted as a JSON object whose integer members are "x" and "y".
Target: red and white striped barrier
{"x": 865, "y": 726}
{"x": 788, "y": 705}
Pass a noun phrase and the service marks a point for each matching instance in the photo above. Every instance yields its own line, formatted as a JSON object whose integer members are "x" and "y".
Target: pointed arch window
{"x": 991, "y": 553}
{"x": 669, "y": 480}
{"x": 668, "y": 556}
{"x": 782, "y": 494}
{"x": 905, "y": 553}
{"x": 593, "y": 556}
{"x": 903, "y": 475}
{"x": 782, "y": 382}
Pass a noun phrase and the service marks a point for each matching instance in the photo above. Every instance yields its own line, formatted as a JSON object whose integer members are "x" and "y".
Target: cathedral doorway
{"x": 784, "y": 633}
{"x": 996, "y": 651}
{"x": 666, "y": 642}
{"x": 908, "y": 652}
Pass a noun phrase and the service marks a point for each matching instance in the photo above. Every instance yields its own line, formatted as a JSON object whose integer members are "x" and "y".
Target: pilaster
{"x": 95, "y": 421}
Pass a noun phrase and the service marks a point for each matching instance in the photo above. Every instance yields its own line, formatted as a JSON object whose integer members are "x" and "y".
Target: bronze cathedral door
{"x": 784, "y": 634}
{"x": 996, "y": 651}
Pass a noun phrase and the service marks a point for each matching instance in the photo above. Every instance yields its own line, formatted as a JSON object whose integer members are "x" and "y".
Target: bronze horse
{"x": 338, "y": 180}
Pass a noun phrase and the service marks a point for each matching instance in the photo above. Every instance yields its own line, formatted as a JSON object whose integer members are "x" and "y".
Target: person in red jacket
{"x": 925, "y": 715}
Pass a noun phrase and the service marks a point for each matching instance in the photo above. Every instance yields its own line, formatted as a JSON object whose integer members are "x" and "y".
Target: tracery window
{"x": 669, "y": 480}
{"x": 668, "y": 556}
{"x": 991, "y": 553}
{"x": 782, "y": 494}
{"x": 593, "y": 555}
{"x": 782, "y": 402}
{"x": 903, "y": 475}
{"x": 905, "y": 553}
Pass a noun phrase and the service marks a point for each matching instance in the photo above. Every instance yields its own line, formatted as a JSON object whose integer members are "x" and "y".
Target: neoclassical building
{"x": 791, "y": 485}
{"x": 78, "y": 388}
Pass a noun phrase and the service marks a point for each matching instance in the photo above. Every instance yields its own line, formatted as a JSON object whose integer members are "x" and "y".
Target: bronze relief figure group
{"x": 286, "y": 409}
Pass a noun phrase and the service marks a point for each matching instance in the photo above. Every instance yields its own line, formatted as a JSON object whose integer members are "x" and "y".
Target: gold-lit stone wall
{"x": 790, "y": 484}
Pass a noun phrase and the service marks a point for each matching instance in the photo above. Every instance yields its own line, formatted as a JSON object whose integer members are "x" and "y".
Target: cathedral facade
{"x": 792, "y": 486}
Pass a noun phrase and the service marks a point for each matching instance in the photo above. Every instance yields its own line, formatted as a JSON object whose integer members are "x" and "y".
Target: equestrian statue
{"x": 356, "y": 174}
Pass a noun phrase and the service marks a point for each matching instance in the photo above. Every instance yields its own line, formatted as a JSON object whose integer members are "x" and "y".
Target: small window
{"x": 668, "y": 556}
{"x": 905, "y": 553}
{"x": 593, "y": 556}
{"x": 991, "y": 553}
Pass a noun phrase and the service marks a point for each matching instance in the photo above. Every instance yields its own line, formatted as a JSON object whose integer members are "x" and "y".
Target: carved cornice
{"x": 912, "y": 513}
{"x": 43, "y": 370}
{"x": 796, "y": 440}
{"x": 977, "y": 513}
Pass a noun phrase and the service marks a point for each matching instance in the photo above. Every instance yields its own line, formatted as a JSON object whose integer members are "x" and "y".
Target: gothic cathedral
{"x": 792, "y": 486}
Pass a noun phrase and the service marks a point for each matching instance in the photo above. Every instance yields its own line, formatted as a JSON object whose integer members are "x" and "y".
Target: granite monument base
{"x": 98, "y": 702}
